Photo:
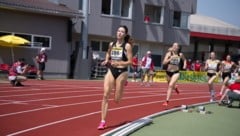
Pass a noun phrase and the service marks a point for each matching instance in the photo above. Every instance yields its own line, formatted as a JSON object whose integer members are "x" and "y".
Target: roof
{"x": 39, "y": 6}
{"x": 208, "y": 27}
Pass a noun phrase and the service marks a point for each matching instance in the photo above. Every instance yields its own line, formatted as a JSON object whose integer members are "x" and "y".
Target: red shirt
{"x": 234, "y": 86}
{"x": 135, "y": 62}
{"x": 42, "y": 58}
{"x": 144, "y": 60}
{"x": 197, "y": 66}
{"x": 13, "y": 70}
{"x": 189, "y": 64}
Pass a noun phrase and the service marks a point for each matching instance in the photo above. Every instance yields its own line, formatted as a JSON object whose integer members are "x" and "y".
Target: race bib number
{"x": 117, "y": 53}
{"x": 175, "y": 60}
{"x": 212, "y": 65}
{"x": 227, "y": 66}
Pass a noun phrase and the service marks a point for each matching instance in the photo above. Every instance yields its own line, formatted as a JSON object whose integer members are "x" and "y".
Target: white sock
{"x": 212, "y": 93}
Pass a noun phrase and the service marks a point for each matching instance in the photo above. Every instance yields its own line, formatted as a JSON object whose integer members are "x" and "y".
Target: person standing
{"x": 118, "y": 58}
{"x": 146, "y": 65}
{"x": 41, "y": 59}
{"x": 212, "y": 67}
{"x": 135, "y": 68}
{"x": 17, "y": 72}
{"x": 172, "y": 61}
{"x": 197, "y": 66}
{"x": 151, "y": 74}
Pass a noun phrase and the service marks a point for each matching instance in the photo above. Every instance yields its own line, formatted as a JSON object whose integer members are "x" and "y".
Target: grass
{"x": 222, "y": 121}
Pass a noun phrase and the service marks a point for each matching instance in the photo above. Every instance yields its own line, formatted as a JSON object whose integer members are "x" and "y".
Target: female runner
{"x": 118, "y": 58}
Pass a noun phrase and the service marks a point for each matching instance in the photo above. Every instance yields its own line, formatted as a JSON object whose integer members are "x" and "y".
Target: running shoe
{"x": 165, "y": 103}
{"x": 147, "y": 84}
{"x": 229, "y": 103}
{"x": 126, "y": 83}
{"x": 102, "y": 126}
{"x": 212, "y": 100}
{"x": 176, "y": 90}
{"x": 13, "y": 82}
{"x": 19, "y": 84}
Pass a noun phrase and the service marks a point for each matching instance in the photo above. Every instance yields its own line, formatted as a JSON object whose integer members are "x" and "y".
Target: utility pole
{"x": 85, "y": 28}
{"x": 83, "y": 63}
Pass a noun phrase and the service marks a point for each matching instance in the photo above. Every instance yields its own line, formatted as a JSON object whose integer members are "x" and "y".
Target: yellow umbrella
{"x": 11, "y": 41}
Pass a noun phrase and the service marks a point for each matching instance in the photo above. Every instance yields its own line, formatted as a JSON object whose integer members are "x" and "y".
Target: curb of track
{"x": 137, "y": 124}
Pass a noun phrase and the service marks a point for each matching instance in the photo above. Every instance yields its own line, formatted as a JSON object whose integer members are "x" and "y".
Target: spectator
{"x": 41, "y": 59}
{"x": 146, "y": 64}
{"x": 189, "y": 64}
{"x": 151, "y": 73}
{"x": 146, "y": 19}
{"x": 17, "y": 72}
{"x": 232, "y": 93}
{"x": 197, "y": 66}
{"x": 135, "y": 67}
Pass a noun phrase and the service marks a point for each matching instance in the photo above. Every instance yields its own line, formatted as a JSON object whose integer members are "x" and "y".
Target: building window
{"x": 105, "y": 46}
{"x": 180, "y": 19}
{"x": 125, "y": 9}
{"x": 101, "y": 46}
{"x": 119, "y": 8}
{"x": 35, "y": 40}
{"x": 184, "y": 20}
{"x": 156, "y": 59}
{"x": 27, "y": 37}
{"x": 41, "y": 41}
{"x": 106, "y": 7}
{"x": 4, "y": 33}
{"x": 95, "y": 45}
{"x": 80, "y": 4}
{"x": 152, "y": 14}
{"x": 176, "y": 18}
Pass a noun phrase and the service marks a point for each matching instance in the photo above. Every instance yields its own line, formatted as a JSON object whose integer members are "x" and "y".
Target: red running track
{"x": 72, "y": 108}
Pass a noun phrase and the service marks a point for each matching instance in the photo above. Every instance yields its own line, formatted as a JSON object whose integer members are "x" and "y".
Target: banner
{"x": 185, "y": 76}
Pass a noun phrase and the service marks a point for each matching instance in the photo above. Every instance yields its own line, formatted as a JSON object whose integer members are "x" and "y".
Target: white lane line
{"x": 93, "y": 113}
{"x": 48, "y": 88}
{"x": 47, "y": 93}
{"x": 67, "y": 97}
{"x": 65, "y": 105}
{"x": 79, "y": 96}
{"x": 74, "y": 104}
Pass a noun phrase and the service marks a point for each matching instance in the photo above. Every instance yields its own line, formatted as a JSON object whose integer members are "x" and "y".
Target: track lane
{"x": 67, "y": 120}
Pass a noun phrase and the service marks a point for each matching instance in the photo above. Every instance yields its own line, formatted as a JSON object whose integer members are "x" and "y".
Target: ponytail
{"x": 126, "y": 38}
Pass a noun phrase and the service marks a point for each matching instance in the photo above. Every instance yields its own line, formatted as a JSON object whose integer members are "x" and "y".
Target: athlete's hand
{"x": 26, "y": 66}
{"x": 115, "y": 63}
{"x": 106, "y": 63}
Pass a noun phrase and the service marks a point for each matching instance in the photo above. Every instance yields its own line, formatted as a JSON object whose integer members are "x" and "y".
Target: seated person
{"x": 231, "y": 94}
{"x": 17, "y": 73}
